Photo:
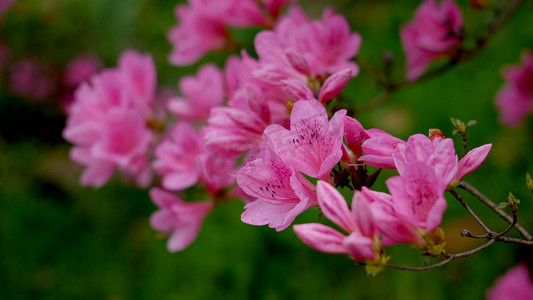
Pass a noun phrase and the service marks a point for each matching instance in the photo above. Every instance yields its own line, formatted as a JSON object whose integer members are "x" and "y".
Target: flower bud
{"x": 513, "y": 202}
{"x": 434, "y": 132}
{"x": 529, "y": 182}
{"x": 297, "y": 61}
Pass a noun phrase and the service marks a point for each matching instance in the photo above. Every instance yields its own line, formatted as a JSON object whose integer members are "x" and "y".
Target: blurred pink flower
{"x": 194, "y": 36}
{"x": 313, "y": 144}
{"x": 181, "y": 220}
{"x": 516, "y": 284}
{"x": 108, "y": 121}
{"x": 326, "y": 45}
{"x": 80, "y": 69}
{"x": 236, "y": 13}
{"x": 307, "y": 57}
{"x": 238, "y": 127}
{"x": 4, "y": 5}
{"x": 200, "y": 93}
{"x": 433, "y": 33}
{"x": 32, "y": 78}
{"x": 281, "y": 193}
{"x": 183, "y": 161}
{"x": 515, "y": 98}
{"x": 203, "y": 25}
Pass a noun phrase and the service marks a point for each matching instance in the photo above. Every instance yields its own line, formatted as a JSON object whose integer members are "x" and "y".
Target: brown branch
{"x": 465, "y": 205}
{"x": 506, "y": 239}
{"x": 467, "y": 187}
{"x": 449, "y": 258}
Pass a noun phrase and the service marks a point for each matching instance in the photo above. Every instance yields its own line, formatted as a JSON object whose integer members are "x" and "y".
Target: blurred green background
{"x": 61, "y": 241}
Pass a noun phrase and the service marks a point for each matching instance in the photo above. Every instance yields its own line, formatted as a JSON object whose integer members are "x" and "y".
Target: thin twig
{"x": 467, "y": 187}
{"x": 513, "y": 224}
{"x": 447, "y": 260}
{"x": 465, "y": 205}
{"x": 506, "y": 239}
{"x": 465, "y": 145}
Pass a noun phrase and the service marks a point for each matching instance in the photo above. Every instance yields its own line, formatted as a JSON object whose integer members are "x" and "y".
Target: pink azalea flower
{"x": 177, "y": 157}
{"x": 308, "y": 52}
{"x": 201, "y": 93}
{"x": 313, "y": 144}
{"x": 183, "y": 161}
{"x": 326, "y": 45}
{"x": 360, "y": 244}
{"x": 516, "y": 284}
{"x": 433, "y": 33}
{"x": 238, "y": 127}
{"x": 515, "y": 98}
{"x": 202, "y": 25}
{"x": 418, "y": 196}
{"x": 385, "y": 151}
{"x": 179, "y": 219}
{"x": 107, "y": 123}
{"x": 237, "y": 13}
{"x": 440, "y": 157}
{"x": 281, "y": 193}
{"x": 194, "y": 36}
{"x": 330, "y": 46}
{"x": 140, "y": 73}
{"x": 79, "y": 70}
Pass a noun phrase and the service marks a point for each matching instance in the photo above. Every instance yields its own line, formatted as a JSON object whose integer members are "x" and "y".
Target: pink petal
{"x": 334, "y": 85}
{"x": 378, "y": 151}
{"x": 278, "y": 215}
{"x": 296, "y": 89}
{"x": 182, "y": 237}
{"x": 359, "y": 247}
{"x": 353, "y": 133}
{"x": 334, "y": 206}
{"x": 321, "y": 237}
{"x": 297, "y": 61}
{"x": 179, "y": 181}
{"x": 362, "y": 215}
{"x": 472, "y": 160}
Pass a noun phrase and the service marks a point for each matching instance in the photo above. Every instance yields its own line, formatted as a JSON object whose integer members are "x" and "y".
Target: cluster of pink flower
{"x": 411, "y": 213}
{"x": 108, "y": 122}
{"x": 270, "y": 114}
{"x": 204, "y": 25}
